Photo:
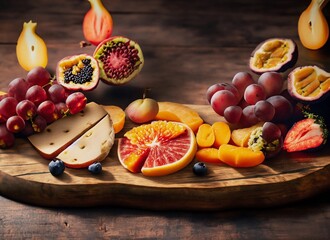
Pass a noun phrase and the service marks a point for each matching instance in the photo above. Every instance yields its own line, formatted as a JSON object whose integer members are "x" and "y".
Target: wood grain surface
{"x": 24, "y": 176}
{"x": 188, "y": 45}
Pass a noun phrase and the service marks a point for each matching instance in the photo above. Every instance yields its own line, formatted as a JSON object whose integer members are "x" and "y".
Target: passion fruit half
{"x": 120, "y": 60}
{"x": 274, "y": 55}
{"x": 309, "y": 84}
{"x": 78, "y": 72}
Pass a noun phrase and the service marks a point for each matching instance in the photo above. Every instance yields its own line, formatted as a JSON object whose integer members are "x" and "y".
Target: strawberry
{"x": 309, "y": 133}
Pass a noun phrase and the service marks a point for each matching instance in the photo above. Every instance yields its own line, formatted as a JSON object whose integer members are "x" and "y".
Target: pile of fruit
{"x": 257, "y": 113}
{"x": 30, "y": 104}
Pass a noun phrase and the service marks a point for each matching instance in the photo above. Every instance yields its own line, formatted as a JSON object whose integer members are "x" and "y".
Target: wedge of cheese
{"x": 63, "y": 132}
{"x": 94, "y": 145}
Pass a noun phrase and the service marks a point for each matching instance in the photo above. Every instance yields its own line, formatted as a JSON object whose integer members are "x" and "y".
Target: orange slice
{"x": 157, "y": 149}
{"x": 171, "y": 111}
{"x": 117, "y": 116}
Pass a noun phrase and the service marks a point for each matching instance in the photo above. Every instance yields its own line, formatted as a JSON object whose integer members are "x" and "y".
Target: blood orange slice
{"x": 157, "y": 149}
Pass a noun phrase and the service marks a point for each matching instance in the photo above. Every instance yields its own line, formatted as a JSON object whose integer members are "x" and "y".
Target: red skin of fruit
{"x": 221, "y": 100}
{"x": 222, "y": 86}
{"x": 97, "y": 25}
{"x": 7, "y": 139}
{"x": 272, "y": 83}
{"x": 241, "y": 80}
{"x": 142, "y": 110}
{"x": 254, "y": 93}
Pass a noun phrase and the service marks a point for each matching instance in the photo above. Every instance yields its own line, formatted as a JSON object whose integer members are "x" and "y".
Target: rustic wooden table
{"x": 188, "y": 45}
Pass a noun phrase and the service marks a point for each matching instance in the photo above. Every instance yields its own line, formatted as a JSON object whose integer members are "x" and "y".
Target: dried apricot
{"x": 240, "y": 156}
{"x": 208, "y": 155}
{"x": 205, "y": 136}
{"x": 222, "y": 133}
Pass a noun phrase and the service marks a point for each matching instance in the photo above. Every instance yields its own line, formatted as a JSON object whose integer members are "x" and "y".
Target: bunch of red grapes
{"x": 30, "y": 104}
{"x": 247, "y": 102}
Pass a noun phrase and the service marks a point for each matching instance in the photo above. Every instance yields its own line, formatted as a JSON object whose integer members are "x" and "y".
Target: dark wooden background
{"x": 188, "y": 45}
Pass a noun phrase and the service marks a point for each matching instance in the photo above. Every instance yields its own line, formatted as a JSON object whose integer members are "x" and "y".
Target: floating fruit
{"x": 157, "y": 149}
{"x": 171, "y": 111}
{"x": 313, "y": 28}
{"x": 97, "y": 24}
{"x": 120, "y": 60}
{"x": 240, "y": 156}
{"x": 117, "y": 116}
{"x": 309, "y": 83}
{"x": 142, "y": 110}
{"x": 78, "y": 72}
{"x": 309, "y": 133}
{"x": 31, "y": 50}
{"x": 275, "y": 54}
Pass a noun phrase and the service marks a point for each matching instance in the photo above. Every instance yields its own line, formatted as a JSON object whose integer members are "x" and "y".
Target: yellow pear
{"x": 31, "y": 50}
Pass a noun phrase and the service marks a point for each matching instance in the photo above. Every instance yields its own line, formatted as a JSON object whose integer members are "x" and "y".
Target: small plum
{"x": 142, "y": 110}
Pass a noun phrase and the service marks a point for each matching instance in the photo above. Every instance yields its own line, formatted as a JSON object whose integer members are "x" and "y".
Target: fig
{"x": 78, "y": 72}
{"x": 309, "y": 84}
{"x": 120, "y": 60}
{"x": 274, "y": 55}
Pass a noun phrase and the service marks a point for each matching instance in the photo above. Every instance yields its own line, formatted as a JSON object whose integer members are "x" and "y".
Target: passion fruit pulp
{"x": 274, "y": 55}
{"x": 309, "y": 84}
{"x": 78, "y": 72}
{"x": 120, "y": 60}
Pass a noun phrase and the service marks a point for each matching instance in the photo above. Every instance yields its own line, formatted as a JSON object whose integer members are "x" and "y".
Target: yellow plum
{"x": 142, "y": 110}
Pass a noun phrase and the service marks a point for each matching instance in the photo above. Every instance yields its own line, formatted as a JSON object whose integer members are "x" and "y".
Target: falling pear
{"x": 313, "y": 28}
{"x": 31, "y": 50}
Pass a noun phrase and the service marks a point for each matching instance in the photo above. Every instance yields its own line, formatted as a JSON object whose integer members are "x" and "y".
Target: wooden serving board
{"x": 24, "y": 177}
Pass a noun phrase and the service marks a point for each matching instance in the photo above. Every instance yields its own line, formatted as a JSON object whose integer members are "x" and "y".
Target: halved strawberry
{"x": 306, "y": 134}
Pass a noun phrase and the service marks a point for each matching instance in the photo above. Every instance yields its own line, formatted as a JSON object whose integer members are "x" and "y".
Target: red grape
{"x": 38, "y": 76}
{"x": 271, "y": 132}
{"x": 47, "y": 110}
{"x": 283, "y": 108}
{"x": 221, "y": 86}
{"x": 7, "y": 138}
{"x": 241, "y": 80}
{"x": 28, "y": 130}
{"x": 17, "y": 88}
{"x": 7, "y": 108}
{"x": 39, "y": 124}
{"x": 221, "y": 100}
{"x": 76, "y": 102}
{"x": 61, "y": 109}
{"x": 272, "y": 83}
{"x": 254, "y": 93}
{"x": 233, "y": 114}
{"x": 248, "y": 117}
{"x": 36, "y": 94}
{"x": 57, "y": 93}
{"x": 15, "y": 124}
{"x": 264, "y": 110}
{"x": 26, "y": 109}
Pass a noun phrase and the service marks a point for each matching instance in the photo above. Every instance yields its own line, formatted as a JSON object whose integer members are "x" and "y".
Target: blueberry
{"x": 56, "y": 167}
{"x": 200, "y": 169}
{"x": 95, "y": 168}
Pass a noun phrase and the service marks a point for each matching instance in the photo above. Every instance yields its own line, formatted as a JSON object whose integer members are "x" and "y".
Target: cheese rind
{"x": 94, "y": 145}
{"x": 63, "y": 132}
